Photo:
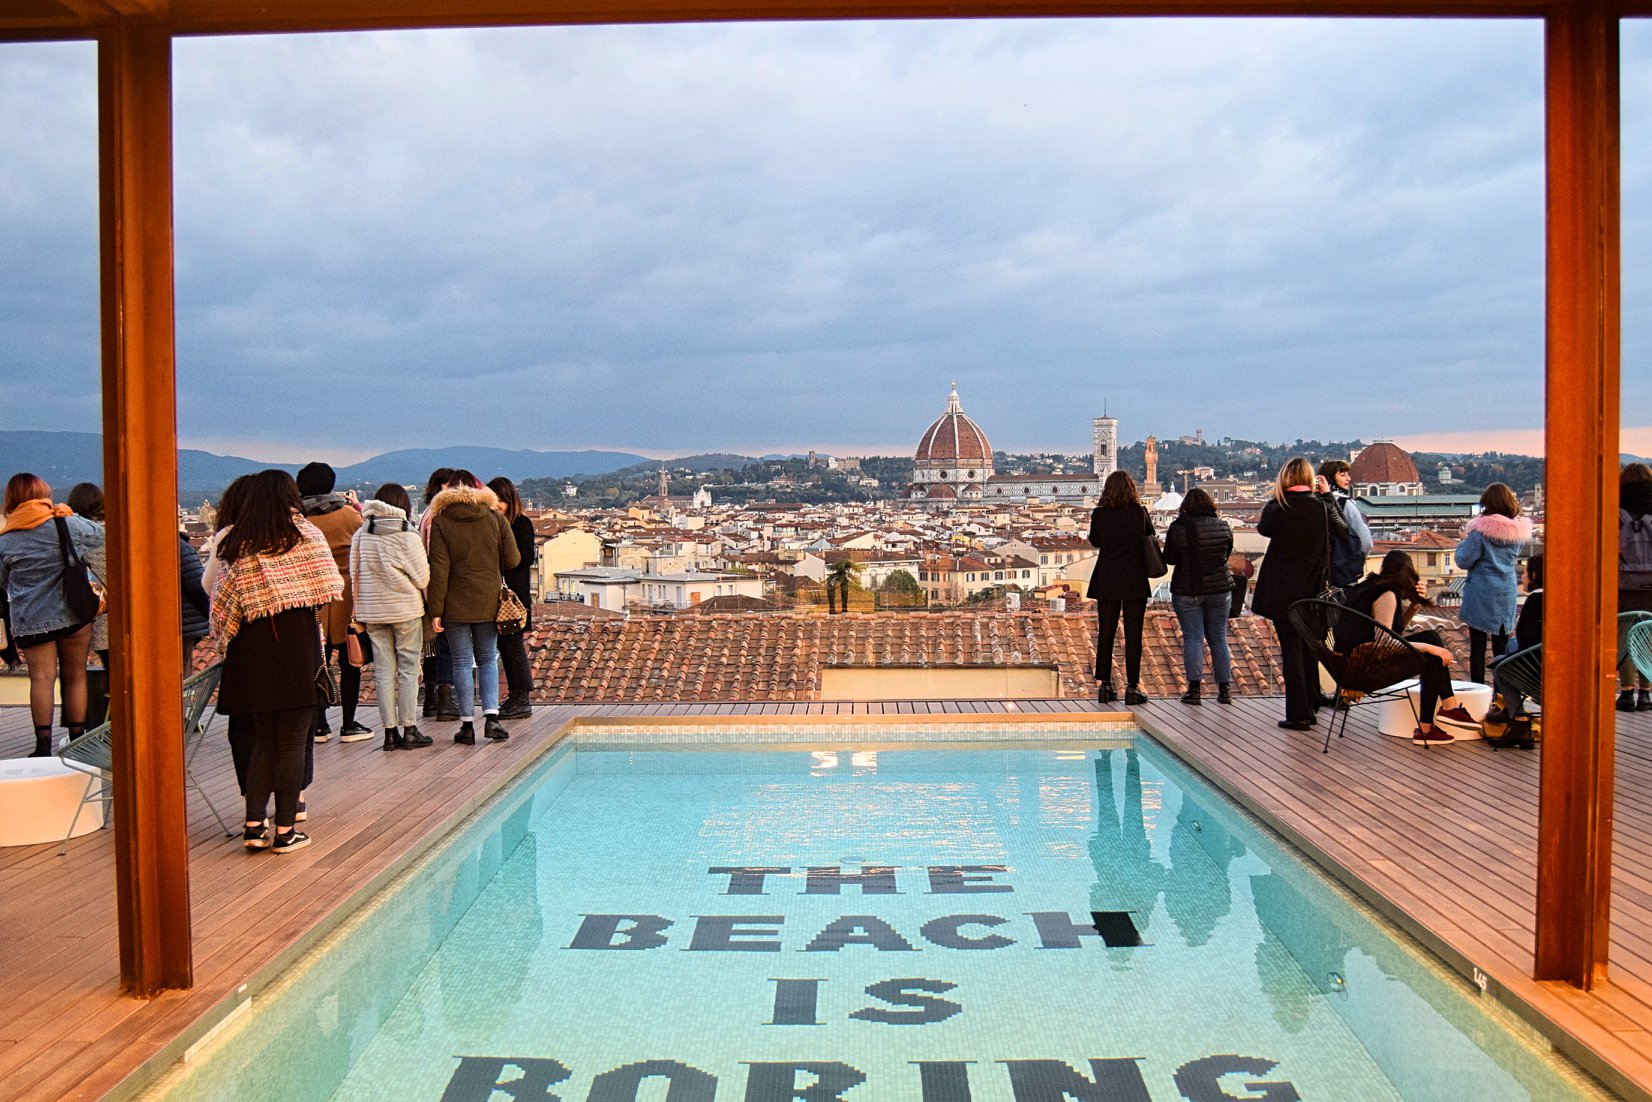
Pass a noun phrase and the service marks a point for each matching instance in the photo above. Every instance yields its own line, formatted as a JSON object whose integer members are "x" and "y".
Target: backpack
{"x": 1634, "y": 551}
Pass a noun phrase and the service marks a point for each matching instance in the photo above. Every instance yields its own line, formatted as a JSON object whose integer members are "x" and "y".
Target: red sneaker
{"x": 1457, "y": 719}
{"x": 1434, "y": 735}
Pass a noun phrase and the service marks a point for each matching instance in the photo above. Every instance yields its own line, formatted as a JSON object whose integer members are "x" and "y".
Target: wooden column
{"x": 1574, "y": 852}
{"x": 140, "y": 465}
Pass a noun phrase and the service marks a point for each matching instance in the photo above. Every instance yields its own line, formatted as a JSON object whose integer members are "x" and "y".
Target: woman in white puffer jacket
{"x": 389, "y": 572}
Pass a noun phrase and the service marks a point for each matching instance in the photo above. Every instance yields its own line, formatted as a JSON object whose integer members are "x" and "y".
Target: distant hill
{"x": 65, "y": 458}
{"x": 413, "y": 465}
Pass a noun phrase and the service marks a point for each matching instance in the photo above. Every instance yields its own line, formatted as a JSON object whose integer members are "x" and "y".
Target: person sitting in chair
{"x": 1391, "y": 597}
{"x": 1528, "y": 633}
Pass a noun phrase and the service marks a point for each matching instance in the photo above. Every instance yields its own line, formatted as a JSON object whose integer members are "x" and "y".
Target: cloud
{"x": 723, "y": 237}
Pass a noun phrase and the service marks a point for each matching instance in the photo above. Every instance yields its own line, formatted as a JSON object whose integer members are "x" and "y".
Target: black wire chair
{"x": 1375, "y": 668}
{"x": 1522, "y": 671}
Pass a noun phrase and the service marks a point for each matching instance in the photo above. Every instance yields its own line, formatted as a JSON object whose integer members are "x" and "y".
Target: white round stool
{"x": 38, "y": 798}
{"x": 1398, "y": 717}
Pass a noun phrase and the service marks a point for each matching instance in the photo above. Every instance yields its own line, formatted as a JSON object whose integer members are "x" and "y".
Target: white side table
{"x": 1396, "y": 716}
{"x": 38, "y": 798}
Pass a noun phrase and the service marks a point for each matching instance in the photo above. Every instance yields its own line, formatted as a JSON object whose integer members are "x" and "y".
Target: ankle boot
{"x": 42, "y": 742}
{"x": 447, "y": 704}
{"x": 1192, "y": 694}
{"x": 1626, "y": 700}
{"x": 392, "y": 739}
{"x": 493, "y": 729}
{"x": 1224, "y": 694}
{"x": 466, "y": 735}
{"x": 1643, "y": 701}
{"x": 428, "y": 710}
{"x": 516, "y": 706}
{"x": 1134, "y": 695}
{"x": 415, "y": 739}
{"x": 1106, "y": 694}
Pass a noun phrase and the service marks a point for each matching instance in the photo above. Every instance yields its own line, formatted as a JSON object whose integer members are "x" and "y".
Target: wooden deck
{"x": 1443, "y": 841}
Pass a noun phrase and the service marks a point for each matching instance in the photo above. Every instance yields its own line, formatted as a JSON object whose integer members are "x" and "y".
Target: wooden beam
{"x": 213, "y": 17}
{"x": 1574, "y": 873}
{"x": 140, "y": 465}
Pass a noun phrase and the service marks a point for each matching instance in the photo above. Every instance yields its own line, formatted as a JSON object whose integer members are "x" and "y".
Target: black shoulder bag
{"x": 84, "y": 601}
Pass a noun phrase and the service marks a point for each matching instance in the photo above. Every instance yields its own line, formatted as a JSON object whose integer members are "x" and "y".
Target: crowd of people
{"x": 1318, "y": 543}
{"x": 298, "y": 581}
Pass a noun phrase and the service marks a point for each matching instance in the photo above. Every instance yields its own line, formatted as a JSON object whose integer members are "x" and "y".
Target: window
{"x": 971, "y": 578}
{"x": 997, "y": 575}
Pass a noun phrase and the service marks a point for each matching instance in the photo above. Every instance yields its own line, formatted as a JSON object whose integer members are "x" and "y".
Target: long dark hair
{"x": 505, "y": 490}
{"x": 229, "y": 502}
{"x": 86, "y": 499}
{"x": 264, "y": 522}
{"x": 1399, "y": 573}
{"x": 1197, "y": 503}
{"x": 1119, "y": 490}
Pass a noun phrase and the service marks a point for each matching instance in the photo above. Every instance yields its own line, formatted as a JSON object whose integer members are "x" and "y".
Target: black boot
{"x": 415, "y": 739}
{"x": 42, "y": 742}
{"x": 466, "y": 735}
{"x": 1224, "y": 693}
{"x": 516, "y": 706}
{"x": 1626, "y": 700}
{"x": 1643, "y": 701}
{"x": 493, "y": 729}
{"x": 1106, "y": 694}
{"x": 1134, "y": 695}
{"x": 447, "y": 704}
{"x": 392, "y": 739}
{"x": 429, "y": 709}
{"x": 1192, "y": 694}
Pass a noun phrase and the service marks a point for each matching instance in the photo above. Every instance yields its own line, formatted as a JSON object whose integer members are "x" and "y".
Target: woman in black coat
{"x": 1118, "y": 584}
{"x": 1299, "y": 523}
{"x": 1198, "y": 544}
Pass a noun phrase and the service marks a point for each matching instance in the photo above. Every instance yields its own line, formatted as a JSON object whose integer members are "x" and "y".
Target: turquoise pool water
{"x": 940, "y": 923}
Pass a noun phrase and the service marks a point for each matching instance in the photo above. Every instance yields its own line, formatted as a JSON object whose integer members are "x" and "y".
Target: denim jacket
{"x": 31, "y": 571}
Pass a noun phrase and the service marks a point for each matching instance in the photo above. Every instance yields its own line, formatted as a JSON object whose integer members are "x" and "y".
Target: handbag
{"x": 512, "y": 616}
{"x": 83, "y": 598}
{"x": 326, "y": 688}
{"x": 1151, "y": 554}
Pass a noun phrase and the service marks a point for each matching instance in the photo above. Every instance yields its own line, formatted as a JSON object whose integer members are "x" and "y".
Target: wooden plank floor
{"x": 66, "y": 1032}
{"x": 1442, "y": 840}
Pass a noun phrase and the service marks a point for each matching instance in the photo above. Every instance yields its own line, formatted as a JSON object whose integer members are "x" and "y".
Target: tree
{"x": 840, "y": 577}
{"x": 902, "y": 590}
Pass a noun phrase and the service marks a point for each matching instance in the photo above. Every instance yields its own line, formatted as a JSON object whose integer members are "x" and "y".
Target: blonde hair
{"x": 1295, "y": 472}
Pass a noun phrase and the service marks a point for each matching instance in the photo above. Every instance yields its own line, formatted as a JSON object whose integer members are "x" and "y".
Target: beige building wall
{"x": 569, "y": 549}
{"x": 939, "y": 683}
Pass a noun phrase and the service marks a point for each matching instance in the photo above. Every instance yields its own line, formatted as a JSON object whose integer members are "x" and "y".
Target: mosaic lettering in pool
{"x": 938, "y": 925}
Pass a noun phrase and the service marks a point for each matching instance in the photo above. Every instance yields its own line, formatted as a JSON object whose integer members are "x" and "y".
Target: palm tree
{"x": 840, "y": 576}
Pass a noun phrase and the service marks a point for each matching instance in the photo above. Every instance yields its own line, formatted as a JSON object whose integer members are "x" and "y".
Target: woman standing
{"x": 1198, "y": 544}
{"x": 513, "y": 648}
{"x": 1119, "y": 531}
{"x": 277, "y": 570}
{"x": 335, "y": 517}
{"x": 1391, "y": 597}
{"x": 1634, "y": 571}
{"x": 1492, "y": 589}
{"x": 1299, "y": 522}
{"x": 439, "y": 701}
{"x": 53, "y": 639}
{"x": 388, "y": 573}
{"x": 471, "y": 547}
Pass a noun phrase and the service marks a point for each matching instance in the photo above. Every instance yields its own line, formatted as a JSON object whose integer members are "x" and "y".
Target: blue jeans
{"x": 478, "y": 643}
{"x": 1204, "y": 620}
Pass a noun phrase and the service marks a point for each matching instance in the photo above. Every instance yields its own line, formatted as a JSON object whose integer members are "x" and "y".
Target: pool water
{"x": 939, "y": 923}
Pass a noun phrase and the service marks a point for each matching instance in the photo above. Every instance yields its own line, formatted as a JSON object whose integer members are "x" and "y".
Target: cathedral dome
{"x": 1383, "y": 464}
{"x": 953, "y": 440}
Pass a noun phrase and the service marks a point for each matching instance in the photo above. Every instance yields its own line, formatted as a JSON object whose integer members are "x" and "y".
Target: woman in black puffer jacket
{"x": 1119, "y": 529}
{"x": 1201, "y": 588}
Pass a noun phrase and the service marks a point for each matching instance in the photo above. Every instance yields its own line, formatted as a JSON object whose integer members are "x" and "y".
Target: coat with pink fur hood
{"x": 1489, "y": 553}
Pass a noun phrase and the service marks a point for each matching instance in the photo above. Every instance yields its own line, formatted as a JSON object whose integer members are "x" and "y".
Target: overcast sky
{"x": 778, "y": 237}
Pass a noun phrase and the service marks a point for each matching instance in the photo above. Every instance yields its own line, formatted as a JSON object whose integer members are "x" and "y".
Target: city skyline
{"x": 770, "y": 238}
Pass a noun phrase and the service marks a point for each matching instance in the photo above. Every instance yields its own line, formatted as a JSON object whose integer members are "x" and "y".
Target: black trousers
{"x": 513, "y": 652}
{"x": 277, "y": 765}
{"x": 1477, "y": 651}
{"x": 1301, "y": 672}
{"x": 349, "y": 683}
{"x": 241, "y": 735}
{"x": 1435, "y": 679}
{"x": 1108, "y": 614}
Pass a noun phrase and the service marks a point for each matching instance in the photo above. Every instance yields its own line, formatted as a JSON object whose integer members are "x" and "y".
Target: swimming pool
{"x": 1027, "y": 915}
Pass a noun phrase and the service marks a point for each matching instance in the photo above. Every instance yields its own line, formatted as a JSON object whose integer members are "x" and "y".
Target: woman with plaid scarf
{"x": 277, "y": 570}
